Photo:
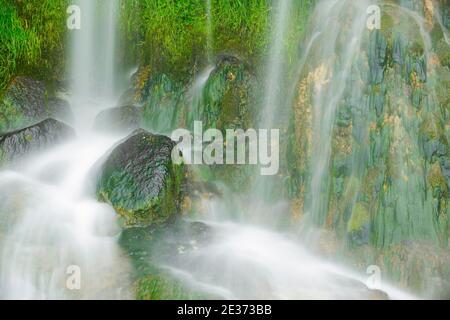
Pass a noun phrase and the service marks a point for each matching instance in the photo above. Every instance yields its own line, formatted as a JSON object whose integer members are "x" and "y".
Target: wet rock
{"x": 228, "y": 101}
{"x": 358, "y": 226}
{"x": 378, "y": 295}
{"x": 140, "y": 181}
{"x": 18, "y": 144}
{"x": 122, "y": 119}
{"x": 26, "y": 102}
{"x": 229, "y": 96}
{"x": 164, "y": 104}
{"x": 60, "y": 110}
{"x": 161, "y": 99}
{"x": 377, "y": 57}
{"x": 433, "y": 139}
{"x": 151, "y": 246}
{"x": 437, "y": 181}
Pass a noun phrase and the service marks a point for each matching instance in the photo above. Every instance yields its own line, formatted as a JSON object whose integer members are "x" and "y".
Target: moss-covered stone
{"x": 26, "y": 101}
{"x": 166, "y": 243}
{"x": 140, "y": 181}
{"x": 229, "y": 97}
{"x": 386, "y": 183}
{"x": 16, "y": 145}
{"x": 120, "y": 119}
{"x": 164, "y": 287}
{"x": 164, "y": 108}
{"x": 437, "y": 181}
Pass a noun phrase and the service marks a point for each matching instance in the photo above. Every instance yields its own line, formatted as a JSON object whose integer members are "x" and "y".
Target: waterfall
{"x": 209, "y": 31}
{"x": 275, "y": 66}
{"x": 59, "y": 241}
{"x": 93, "y": 60}
{"x": 336, "y": 48}
{"x": 248, "y": 261}
{"x": 81, "y": 54}
{"x": 108, "y": 47}
{"x": 274, "y": 103}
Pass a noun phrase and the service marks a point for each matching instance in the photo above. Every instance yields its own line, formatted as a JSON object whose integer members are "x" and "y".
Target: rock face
{"x": 386, "y": 182}
{"x": 122, "y": 119}
{"x": 225, "y": 98}
{"x": 161, "y": 98}
{"x": 229, "y": 97}
{"x": 140, "y": 181}
{"x": 18, "y": 144}
{"x": 150, "y": 247}
{"x": 26, "y": 102}
{"x": 60, "y": 109}
{"x": 228, "y": 100}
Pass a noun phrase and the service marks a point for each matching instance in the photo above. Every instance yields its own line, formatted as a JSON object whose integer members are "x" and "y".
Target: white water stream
{"x": 50, "y": 222}
{"x": 56, "y": 240}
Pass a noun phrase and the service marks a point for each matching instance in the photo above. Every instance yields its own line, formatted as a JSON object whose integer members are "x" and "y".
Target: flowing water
{"x": 53, "y": 222}
{"x": 209, "y": 30}
{"x": 248, "y": 257}
{"x": 57, "y": 241}
{"x": 332, "y": 83}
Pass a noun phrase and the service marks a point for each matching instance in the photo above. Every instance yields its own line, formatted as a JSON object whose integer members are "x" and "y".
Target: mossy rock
{"x": 163, "y": 287}
{"x": 437, "y": 181}
{"x": 359, "y": 218}
{"x": 120, "y": 119}
{"x": 164, "y": 106}
{"x": 152, "y": 246}
{"x": 140, "y": 181}
{"x": 26, "y": 102}
{"x": 432, "y": 137}
{"x": 229, "y": 96}
{"x": 228, "y": 101}
{"x": 358, "y": 226}
{"x": 16, "y": 145}
{"x": 161, "y": 98}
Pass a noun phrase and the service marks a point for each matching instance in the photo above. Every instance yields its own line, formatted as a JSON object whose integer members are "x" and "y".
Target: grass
{"x": 32, "y": 39}
{"x": 171, "y": 35}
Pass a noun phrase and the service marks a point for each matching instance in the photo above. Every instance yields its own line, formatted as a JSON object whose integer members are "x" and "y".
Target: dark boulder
{"x": 122, "y": 119}
{"x": 26, "y": 102}
{"x": 140, "y": 181}
{"x": 60, "y": 109}
{"x": 21, "y": 143}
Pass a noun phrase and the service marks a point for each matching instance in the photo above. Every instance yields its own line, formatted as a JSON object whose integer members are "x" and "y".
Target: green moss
{"x": 32, "y": 39}
{"x": 143, "y": 193}
{"x": 229, "y": 97}
{"x": 2, "y": 157}
{"x": 431, "y": 127}
{"x": 171, "y": 36}
{"x": 164, "y": 287}
{"x": 10, "y": 116}
{"x": 164, "y": 104}
{"x": 437, "y": 181}
{"x": 359, "y": 218}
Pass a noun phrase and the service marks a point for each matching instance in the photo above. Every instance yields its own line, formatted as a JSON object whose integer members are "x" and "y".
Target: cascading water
{"x": 334, "y": 74}
{"x": 243, "y": 261}
{"x": 59, "y": 242}
{"x": 209, "y": 30}
{"x": 275, "y": 67}
{"x": 52, "y": 227}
